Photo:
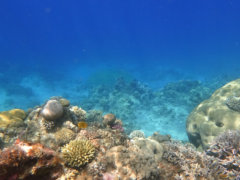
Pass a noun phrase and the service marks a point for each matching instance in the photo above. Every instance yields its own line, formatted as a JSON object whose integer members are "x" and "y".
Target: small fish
{"x": 82, "y": 125}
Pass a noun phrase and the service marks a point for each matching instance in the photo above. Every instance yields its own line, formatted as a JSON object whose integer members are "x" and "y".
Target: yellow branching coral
{"x": 78, "y": 153}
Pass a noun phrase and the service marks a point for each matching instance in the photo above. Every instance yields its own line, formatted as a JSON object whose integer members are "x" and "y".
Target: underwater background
{"x": 149, "y": 62}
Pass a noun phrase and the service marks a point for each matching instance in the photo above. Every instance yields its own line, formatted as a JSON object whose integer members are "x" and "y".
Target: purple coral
{"x": 118, "y": 127}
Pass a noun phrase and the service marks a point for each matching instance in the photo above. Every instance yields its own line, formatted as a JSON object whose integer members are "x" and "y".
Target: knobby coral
{"x": 78, "y": 153}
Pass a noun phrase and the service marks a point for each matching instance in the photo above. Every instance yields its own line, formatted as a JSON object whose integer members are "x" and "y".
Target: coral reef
{"x": 53, "y": 132}
{"x": 136, "y": 104}
{"x": 29, "y": 161}
{"x": 226, "y": 147}
{"x": 104, "y": 151}
{"x": 78, "y": 153}
{"x": 11, "y": 125}
{"x": 184, "y": 162}
{"x": 213, "y": 116}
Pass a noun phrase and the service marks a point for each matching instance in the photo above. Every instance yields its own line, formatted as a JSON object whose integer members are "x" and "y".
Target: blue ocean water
{"x": 139, "y": 56}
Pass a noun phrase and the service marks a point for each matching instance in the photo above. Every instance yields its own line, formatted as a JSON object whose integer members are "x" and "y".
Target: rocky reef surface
{"x": 50, "y": 142}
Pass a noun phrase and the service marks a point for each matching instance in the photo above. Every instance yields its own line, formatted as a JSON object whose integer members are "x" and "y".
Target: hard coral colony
{"x": 78, "y": 153}
{"x": 60, "y": 141}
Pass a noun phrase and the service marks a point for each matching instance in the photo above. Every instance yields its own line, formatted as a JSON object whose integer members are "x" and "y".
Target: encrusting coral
{"x": 11, "y": 124}
{"x": 64, "y": 135}
{"x": 29, "y": 161}
{"x": 10, "y": 118}
{"x": 78, "y": 153}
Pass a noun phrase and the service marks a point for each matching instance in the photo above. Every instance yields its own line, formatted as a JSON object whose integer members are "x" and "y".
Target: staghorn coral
{"x": 187, "y": 163}
{"x": 78, "y": 153}
{"x": 64, "y": 135}
{"x": 226, "y": 147}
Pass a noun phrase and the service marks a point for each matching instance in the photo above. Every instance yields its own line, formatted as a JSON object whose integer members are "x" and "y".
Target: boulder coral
{"x": 52, "y": 110}
{"x": 214, "y": 115}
